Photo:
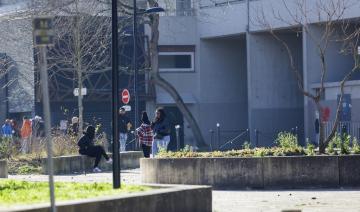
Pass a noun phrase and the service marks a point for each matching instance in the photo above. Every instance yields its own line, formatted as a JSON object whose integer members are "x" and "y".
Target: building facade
{"x": 231, "y": 71}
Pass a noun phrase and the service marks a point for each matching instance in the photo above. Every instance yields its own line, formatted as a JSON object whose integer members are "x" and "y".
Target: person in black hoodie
{"x": 87, "y": 147}
{"x": 161, "y": 128}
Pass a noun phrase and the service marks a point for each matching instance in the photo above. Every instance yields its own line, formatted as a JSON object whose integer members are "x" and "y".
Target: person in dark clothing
{"x": 145, "y": 134}
{"x": 74, "y": 127}
{"x": 124, "y": 126}
{"x": 38, "y": 127}
{"x": 161, "y": 128}
{"x": 87, "y": 147}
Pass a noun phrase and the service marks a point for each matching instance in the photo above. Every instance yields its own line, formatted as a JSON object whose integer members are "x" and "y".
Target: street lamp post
{"x": 134, "y": 61}
{"x": 115, "y": 95}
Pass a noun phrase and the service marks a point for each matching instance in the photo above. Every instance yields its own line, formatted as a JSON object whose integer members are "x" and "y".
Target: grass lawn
{"x": 24, "y": 192}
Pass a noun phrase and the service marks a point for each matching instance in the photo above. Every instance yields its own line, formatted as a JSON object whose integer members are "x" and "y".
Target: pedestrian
{"x": 7, "y": 129}
{"x": 74, "y": 128}
{"x": 124, "y": 125}
{"x": 317, "y": 128}
{"x": 87, "y": 147}
{"x": 145, "y": 134}
{"x": 25, "y": 132}
{"x": 15, "y": 128}
{"x": 38, "y": 127}
{"x": 63, "y": 126}
{"x": 161, "y": 128}
{"x": 15, "y": 134}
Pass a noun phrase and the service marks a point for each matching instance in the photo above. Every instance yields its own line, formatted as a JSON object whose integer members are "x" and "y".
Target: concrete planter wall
{"x": 267, "y": 172}
{"x": 167, "y": 199}
{"x": 77, "y": 163}
{"x": 3, "y": 169}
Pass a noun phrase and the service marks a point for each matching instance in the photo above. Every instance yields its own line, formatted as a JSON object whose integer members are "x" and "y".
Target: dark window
{"x": 175, "y": 61}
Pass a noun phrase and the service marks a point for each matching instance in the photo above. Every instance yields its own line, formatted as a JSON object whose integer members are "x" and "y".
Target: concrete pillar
{"x": 275, "y": 102}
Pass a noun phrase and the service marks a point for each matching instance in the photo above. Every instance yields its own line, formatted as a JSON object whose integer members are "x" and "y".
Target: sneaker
{"x": 96, "y": 169}
{"x": 109, "y": 161}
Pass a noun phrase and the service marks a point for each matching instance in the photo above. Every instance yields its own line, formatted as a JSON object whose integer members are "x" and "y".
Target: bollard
{"x": 211, "y": 139}
{"x": 218, "y": 135}
{"x": 177, "y": 128}
{"x": 256, "y": 137}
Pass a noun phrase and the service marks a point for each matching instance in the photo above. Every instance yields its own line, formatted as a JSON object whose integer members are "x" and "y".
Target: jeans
{"x": 122, "y": 139}
{"x": 96, "y": 152}
{"x": 146, "y": 150}
{"x": 160, "y": 144}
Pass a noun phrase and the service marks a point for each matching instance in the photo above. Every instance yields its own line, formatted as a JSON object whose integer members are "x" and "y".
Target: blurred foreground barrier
{"x": 80, "y": 164}
{"x": 256, "y": 172}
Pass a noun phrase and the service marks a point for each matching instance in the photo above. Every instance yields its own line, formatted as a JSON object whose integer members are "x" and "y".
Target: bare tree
{"x": 156, "y": 79}
{"x": 335, "y": 28}
{"x": 82, "y": 39}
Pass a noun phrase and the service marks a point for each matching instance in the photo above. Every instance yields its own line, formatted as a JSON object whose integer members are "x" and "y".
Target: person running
{"x": 87, "y": 147}
{"x": 145, "y": 134}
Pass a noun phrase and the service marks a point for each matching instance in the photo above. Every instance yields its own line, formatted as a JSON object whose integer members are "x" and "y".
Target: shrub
{"x": 64, "y": 145}
{"x": 355, "y": 146}
{"x": 5, "y": 147}
{"x": 261, "y": 152}
{"x": 334, "y": 143}
{"x": 286, "y": 140}
{"x": 310, "y": 148}
{"x": 345, "y": 146}
{"x": 246, "y": 145}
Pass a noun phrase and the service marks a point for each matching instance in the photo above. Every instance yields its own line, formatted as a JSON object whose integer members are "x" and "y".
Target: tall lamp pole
{"x": 134, "y": 61}
{"x": 115, "y": 95}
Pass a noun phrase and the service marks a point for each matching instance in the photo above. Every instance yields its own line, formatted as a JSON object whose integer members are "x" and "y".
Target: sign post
{"x": 43, "y": 36}
{"x": 125, "y": 96}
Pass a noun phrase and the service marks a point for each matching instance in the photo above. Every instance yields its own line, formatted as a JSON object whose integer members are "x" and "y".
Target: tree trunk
{"x": 158, "y": 80}
{"x": 338, "y": 110}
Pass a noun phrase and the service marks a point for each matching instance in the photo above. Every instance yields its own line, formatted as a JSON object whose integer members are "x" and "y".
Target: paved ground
{"x": 228, "y": 200}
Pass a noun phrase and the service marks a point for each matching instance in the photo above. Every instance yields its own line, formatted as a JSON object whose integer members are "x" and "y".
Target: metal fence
{"x": 226, "y": 139}
{"x": 350, "y": 128}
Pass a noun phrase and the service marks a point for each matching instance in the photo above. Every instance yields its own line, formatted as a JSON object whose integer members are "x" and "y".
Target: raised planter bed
{"x": 3, "y": 169}
{"x": 78, "y": 163}
{"x": 266, "y": 172}
{"x": 164, "y": 199}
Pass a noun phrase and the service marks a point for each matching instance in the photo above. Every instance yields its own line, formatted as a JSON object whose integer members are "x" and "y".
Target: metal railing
{"x": 226, "y": 139}
{"x": 350, "y": 128}
{"x": 270, "y": 137}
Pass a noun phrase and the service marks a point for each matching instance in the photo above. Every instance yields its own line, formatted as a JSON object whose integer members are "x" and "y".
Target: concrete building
{"x": 230, "y": 70}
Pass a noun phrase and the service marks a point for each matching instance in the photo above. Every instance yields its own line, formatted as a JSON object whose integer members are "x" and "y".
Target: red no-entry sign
{"x": 125, "y": 96}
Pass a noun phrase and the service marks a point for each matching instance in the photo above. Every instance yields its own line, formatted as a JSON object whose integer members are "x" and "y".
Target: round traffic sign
{"x": 125, "y": 96}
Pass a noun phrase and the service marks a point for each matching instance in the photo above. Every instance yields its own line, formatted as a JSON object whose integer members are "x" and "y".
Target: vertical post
{"x": 211, "y": 139}
{"x": 177, "y": 128}
{"x": 297, "y": 133}
{"x": 218, "y": 135}
{"x": 47, "y": 118}
{"x": 256, "y": 137}
{"x": 136, "y": 102}
{"x": 115, "y": 95}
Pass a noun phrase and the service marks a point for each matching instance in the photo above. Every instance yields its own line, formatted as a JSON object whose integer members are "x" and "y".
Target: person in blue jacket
{"x": 7, "y": 129}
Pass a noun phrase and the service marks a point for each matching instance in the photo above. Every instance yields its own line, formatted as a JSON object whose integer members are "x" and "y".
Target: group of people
{"x": 152, "y": 136}
{"x": 22, "y": 135}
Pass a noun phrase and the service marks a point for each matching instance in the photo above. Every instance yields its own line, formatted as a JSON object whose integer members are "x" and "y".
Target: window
{"x": 176, "y": 61}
